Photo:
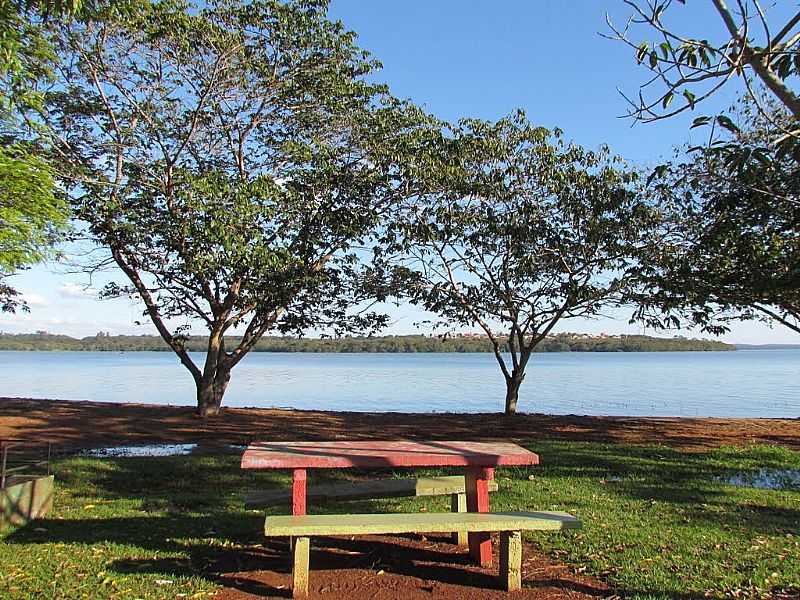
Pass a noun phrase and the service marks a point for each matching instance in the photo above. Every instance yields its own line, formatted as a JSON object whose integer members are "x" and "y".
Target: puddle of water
{"x": 767, "y": 479}
{"x": 157, "y": 450}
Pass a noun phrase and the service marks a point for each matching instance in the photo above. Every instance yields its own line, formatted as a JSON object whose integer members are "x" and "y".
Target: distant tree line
{"x": 563, "y": 342}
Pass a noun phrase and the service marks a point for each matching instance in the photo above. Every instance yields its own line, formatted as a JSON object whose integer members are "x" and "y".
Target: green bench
{"x": 452, "y": 485}
{"x": 510, "y": 525}
{"x": 365, "y": 490}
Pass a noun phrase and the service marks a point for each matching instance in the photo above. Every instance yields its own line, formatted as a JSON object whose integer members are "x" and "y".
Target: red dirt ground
{"x": 373, "y": 567}
{"x": 73, "y": 424}
{"x": 387, "y": 568}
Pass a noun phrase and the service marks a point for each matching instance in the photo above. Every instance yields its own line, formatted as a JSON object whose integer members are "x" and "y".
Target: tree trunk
{"x": 213, "y": 382}
{"x": 212, "y": 385}
{"x": 209, "y": 397}
{"x": 512, "y": 393}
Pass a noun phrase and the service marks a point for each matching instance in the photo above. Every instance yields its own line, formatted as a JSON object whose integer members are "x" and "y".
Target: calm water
{"x": 733, "y": 384}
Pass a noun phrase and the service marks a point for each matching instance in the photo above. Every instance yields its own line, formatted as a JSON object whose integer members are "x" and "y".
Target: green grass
{"x": 659, "y": 523}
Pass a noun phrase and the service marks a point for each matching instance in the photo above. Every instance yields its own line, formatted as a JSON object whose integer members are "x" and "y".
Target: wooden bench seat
{"x": 510, "y": 525}
{"x": 452, "y": 485}
{"x": 364, "y": 490}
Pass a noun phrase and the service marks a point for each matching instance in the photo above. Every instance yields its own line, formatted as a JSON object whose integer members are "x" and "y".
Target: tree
{"x": 518, "y": 231}
{"x": 734, "y": 247}
{"x": 691, "y": 69}
{"x": 31, "y": 217}
{"x": 733, "y": 251}
{"x": 222, "y": 152}
{"x": 31, "y": 214}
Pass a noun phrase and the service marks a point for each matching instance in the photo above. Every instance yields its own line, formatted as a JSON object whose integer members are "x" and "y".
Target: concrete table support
{"x": 25, "y": 499}
{"x": 458, "y": 504}
{"x": 301, "y": 547}
{"x": 511, "y": 560}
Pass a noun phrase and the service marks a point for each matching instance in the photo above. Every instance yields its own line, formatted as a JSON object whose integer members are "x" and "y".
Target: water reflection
{"x": 157, "y": 450}
{"x": 767, "y": 479}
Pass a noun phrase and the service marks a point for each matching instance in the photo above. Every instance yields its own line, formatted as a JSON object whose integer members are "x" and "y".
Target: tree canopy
{"x": 734, "y": 246}
{"x": 520, "y": 231}
{"x": 757, "y": 46}
{"x": 221, "y": 152}
{"x": 31, "y": 214}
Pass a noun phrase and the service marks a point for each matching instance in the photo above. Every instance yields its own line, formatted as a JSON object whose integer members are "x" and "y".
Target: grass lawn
{"x": 659, "y": 522}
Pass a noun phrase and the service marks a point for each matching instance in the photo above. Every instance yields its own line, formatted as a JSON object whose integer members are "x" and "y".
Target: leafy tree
{"x": 734, "y": 247}
{"x": 31, "y": 215}
{"x": 733, "y": 252}
{"x": 688, "y": 70}
{"x": 231, "y": 159}
{"x": 518, "y": 231}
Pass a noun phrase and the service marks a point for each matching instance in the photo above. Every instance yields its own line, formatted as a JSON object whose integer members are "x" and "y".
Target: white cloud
{"x": 35, "y": 300}
{"x": 74, "y": 290}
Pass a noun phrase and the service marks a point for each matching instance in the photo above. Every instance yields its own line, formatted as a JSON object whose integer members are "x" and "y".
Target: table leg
{"x": 477, "y": 490}
{"x": 298, "y": 498}
{"x": 299, "y": 492}
{"x": 458, "y": 504}
{"x": 300, "y": 551}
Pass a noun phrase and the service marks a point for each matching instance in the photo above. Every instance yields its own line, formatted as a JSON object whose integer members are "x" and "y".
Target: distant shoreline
{"x": 403, "y": 344}
{"x": 767, "y": 346}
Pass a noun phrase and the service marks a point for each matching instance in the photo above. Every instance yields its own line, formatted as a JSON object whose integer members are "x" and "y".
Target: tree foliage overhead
{"x": 31, "y": 217}
{"x": 522, "y": 230}
{"x": 31, "y": 214}
{"x": 757, "y": 47}
{"x": 734, "y": 250}
{"x": 221, "y": 153}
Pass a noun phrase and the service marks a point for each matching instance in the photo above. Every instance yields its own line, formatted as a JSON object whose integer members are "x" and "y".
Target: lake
{"x": 745, "y": 383}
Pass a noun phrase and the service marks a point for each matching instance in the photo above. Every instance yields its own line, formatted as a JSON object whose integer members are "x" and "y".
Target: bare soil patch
{"x": 80, "y": 424}
{"x": 387, "y": 568}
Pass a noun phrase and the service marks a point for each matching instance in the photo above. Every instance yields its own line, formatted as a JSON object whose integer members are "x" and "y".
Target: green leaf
{"x": 726, "y": 122}
{"x": 641, "y": 52}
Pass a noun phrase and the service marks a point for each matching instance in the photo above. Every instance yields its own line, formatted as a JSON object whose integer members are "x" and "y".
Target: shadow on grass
{"x": 689, "y": 485}
{"x": 756, "y": 519}
{"x": 196, "y": 503}
{"x": 234, "y": 567}
{"x": 656, "y": 463}
{"x": 197, "y": 484}
{"x": 195, "y": 539}
{"x": 155, "y": 533}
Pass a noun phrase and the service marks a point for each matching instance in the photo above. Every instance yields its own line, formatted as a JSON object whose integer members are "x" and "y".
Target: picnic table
{"x": 477, "y": 458}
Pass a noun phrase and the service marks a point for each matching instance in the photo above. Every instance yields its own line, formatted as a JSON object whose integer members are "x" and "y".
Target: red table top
{"x": 370, "y": 454}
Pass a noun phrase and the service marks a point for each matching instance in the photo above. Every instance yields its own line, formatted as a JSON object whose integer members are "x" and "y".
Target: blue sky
{"x": 462, "y": 58}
